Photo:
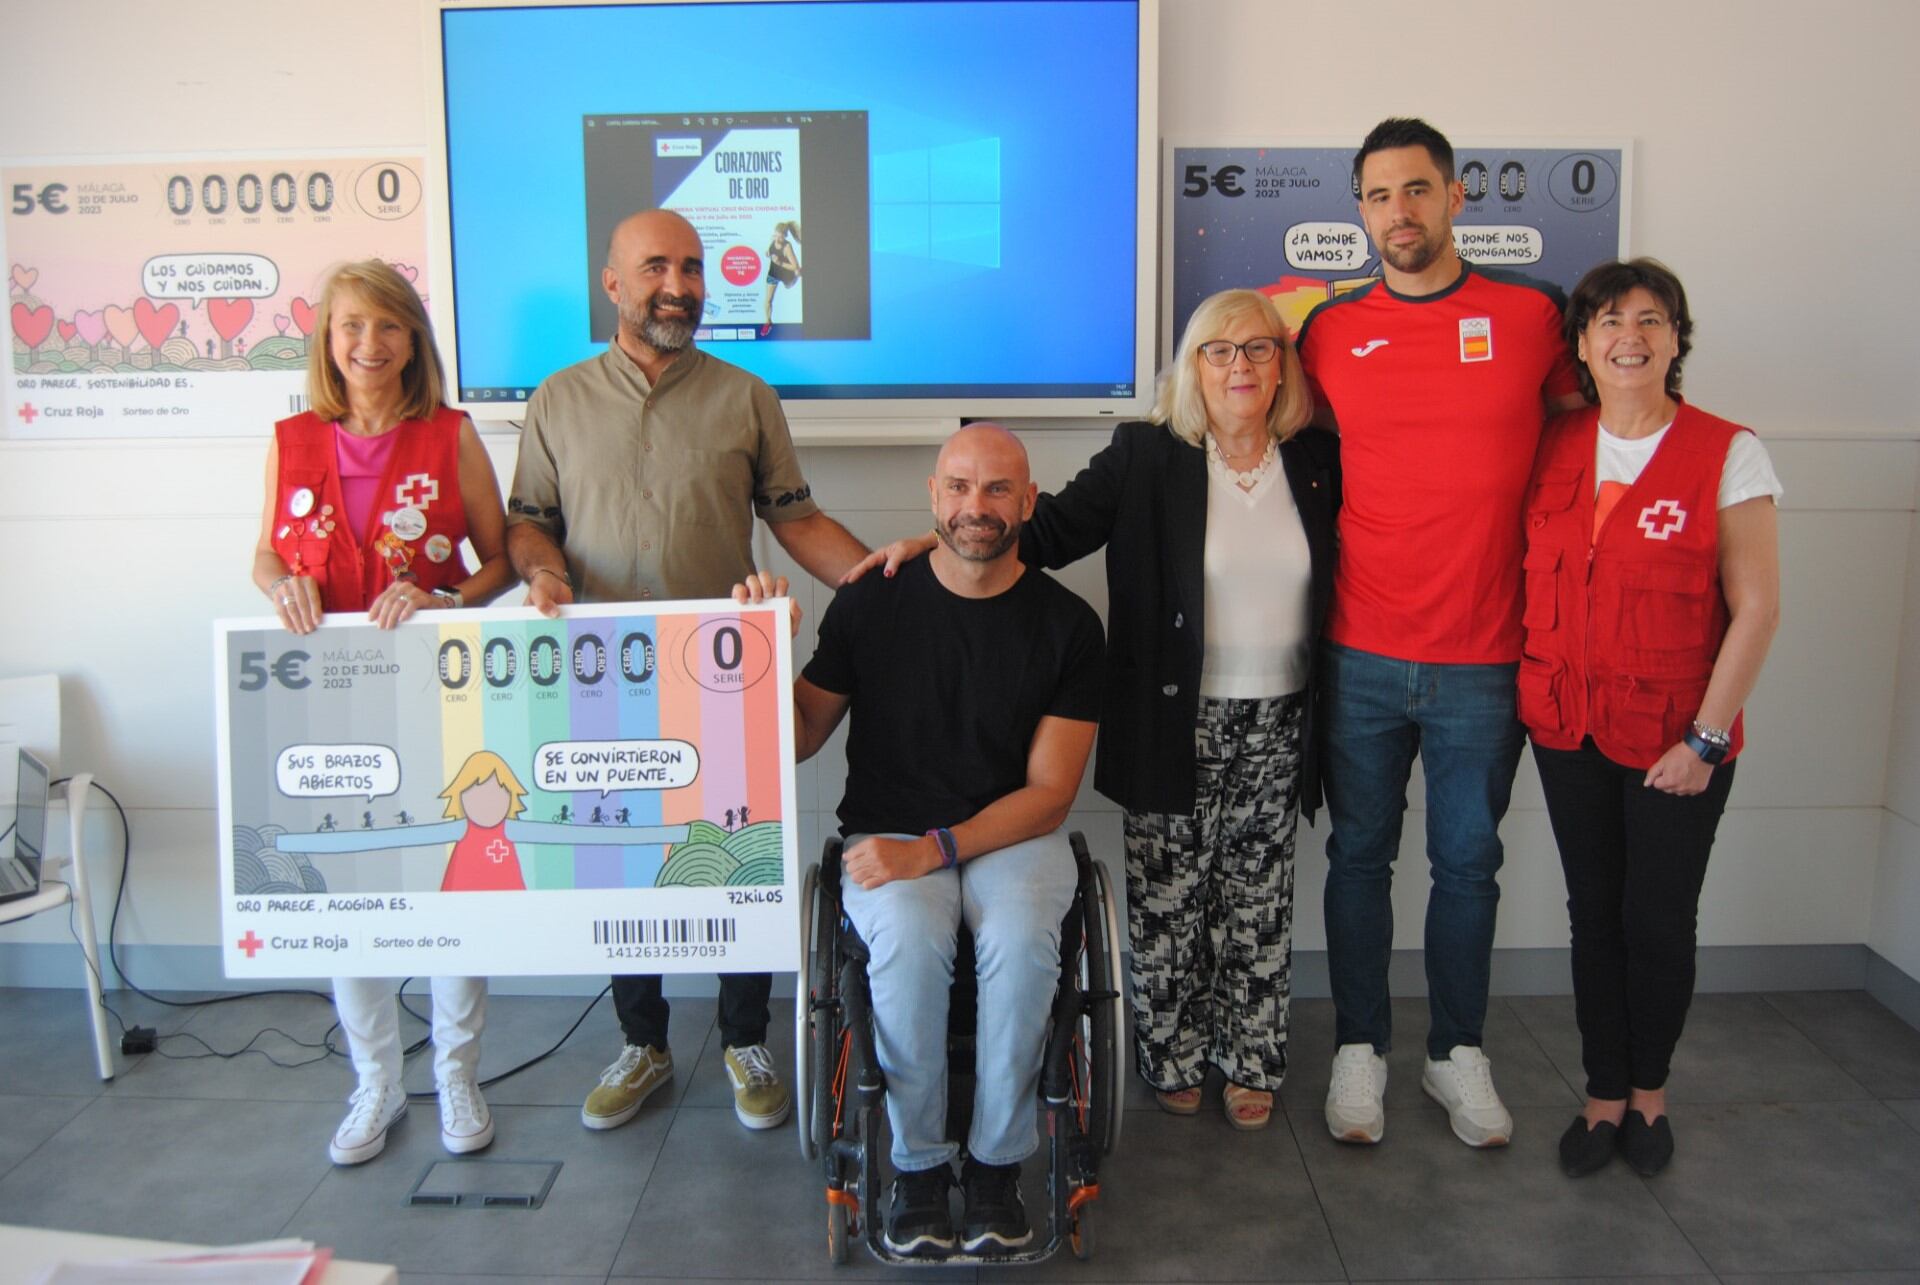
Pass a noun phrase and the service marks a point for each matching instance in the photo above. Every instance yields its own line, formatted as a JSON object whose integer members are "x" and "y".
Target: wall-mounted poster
{"x": 175, "y": 298}
{"x": 1283, "y": 219}
{"x": 491, "y": 792}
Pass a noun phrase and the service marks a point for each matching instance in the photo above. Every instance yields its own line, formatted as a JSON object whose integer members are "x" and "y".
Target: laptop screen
{"x": 30, "y": 820}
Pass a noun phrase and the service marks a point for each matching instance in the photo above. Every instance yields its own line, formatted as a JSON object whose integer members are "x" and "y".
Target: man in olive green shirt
{"x": 639, "y": 475}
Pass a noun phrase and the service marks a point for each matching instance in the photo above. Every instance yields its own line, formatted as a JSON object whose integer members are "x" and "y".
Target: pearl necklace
{"x": 1249, "y": 479}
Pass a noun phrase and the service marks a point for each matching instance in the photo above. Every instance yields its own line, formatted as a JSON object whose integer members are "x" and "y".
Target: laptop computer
{"x": 20, "y": 870}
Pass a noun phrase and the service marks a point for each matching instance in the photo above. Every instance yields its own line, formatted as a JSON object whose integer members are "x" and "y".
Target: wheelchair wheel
{"x": 1080, "y": 1234}
{"x": 827, "y": 1038}
{"x": 804, "y": 1066}
{"x": 839, "y": 1235}
{"x": 1101, "y": 976}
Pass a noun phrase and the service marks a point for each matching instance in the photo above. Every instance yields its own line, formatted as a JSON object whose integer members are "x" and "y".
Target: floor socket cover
{"x": 485, "y": 1184}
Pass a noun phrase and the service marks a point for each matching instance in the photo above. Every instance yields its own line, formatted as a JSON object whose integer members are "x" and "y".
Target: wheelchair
{"x": 840, "y": 1090}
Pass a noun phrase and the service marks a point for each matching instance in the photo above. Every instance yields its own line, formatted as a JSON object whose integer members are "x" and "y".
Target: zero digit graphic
{"x": 727, "y": 655}
{"x": 1583, "y": 182}
{"x": 589, "y": 659}
{"x": 636, "y": 658}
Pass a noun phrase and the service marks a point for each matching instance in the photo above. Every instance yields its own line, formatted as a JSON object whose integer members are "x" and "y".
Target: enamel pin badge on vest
{"x": 1476, "y": 339}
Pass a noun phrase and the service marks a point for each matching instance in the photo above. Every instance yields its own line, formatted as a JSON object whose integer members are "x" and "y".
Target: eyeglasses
{"x": 1260, "y": 351}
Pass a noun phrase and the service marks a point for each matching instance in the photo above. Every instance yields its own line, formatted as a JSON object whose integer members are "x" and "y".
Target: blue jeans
{"x": 1012, "y": 901}
{"x": 1460, "y": 720}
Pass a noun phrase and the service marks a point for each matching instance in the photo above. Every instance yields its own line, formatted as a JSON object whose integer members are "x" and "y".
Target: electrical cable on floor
{"x": 325, "y": 1043}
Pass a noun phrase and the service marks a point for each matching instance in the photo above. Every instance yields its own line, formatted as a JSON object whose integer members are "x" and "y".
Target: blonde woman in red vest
{"x": 369, "y": 496}
{"x": 1652, "y": 593}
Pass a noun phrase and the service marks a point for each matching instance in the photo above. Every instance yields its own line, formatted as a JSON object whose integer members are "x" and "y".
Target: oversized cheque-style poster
{"x": 1283, "y": 220}
{"x": 490, "y": 792}
{"x": 173, "y": 298}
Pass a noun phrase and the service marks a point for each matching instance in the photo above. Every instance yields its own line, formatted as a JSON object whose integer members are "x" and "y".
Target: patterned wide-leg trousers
{"x": 1210, "y": 903}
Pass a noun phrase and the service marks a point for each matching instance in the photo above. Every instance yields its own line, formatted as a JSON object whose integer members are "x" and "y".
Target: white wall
{"x": 1776, "y": 172}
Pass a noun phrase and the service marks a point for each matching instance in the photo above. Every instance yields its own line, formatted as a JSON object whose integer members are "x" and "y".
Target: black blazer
{"x": 1144, "y": 497}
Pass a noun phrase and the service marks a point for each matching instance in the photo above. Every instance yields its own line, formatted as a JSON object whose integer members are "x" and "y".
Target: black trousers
{"x": 1634, "y": 859}
{"x": 643, "y": 1010}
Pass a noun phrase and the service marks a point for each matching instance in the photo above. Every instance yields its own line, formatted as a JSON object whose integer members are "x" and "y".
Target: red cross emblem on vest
{"x": 1662, "y": 518}
{"x": 418, "y": 491}
{"x": 498, "y": 850}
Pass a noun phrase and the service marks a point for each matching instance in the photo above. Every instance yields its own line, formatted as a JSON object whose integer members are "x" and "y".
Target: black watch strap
{"x": 1707, "y": 750}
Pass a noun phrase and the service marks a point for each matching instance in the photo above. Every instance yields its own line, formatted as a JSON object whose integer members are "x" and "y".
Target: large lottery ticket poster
{"x": 490, "y": 792}
{"x": 1284, "y": 220}
{"x": 176, "y": 298}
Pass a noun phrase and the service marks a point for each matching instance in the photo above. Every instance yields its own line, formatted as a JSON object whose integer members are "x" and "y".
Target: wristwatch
{"x": 452, "y": 596}
{"x": 1710, "y": 743}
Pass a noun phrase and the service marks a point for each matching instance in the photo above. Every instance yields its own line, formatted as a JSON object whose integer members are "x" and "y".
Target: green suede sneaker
{"x": 625, "y": 1085}
{"x": 759, "y": 1099}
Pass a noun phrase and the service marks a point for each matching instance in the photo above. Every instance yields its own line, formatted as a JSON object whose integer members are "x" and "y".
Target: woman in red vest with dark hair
{"x": 1652, "y": 593}
{"x": 369, "y": 496}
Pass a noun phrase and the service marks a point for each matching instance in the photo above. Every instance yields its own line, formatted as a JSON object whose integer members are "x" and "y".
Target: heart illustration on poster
{"x": 32, "y": 324}
{"x": 303, "y": 315}
{"x": 91, "y": 325}
{"x": 66, "y": 329}
{"x": 281, "y": 321}
{"x": 25, "y": 277}
{"x": 155, "y": 324}
{"x": 407, "y": 270}
{"x": 229, "y": 316}
{"x": 120, "y": 325}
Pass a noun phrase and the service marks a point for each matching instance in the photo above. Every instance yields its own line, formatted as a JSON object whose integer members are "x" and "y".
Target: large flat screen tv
{"x": 932, "y": 208}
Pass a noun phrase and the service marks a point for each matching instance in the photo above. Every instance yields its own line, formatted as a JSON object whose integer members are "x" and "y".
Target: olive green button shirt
{"x": 651, "y": 490}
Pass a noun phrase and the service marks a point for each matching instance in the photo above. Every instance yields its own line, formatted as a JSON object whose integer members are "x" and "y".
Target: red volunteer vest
{"x": 352, "y": 567}
{"x": 1622, "y": 629}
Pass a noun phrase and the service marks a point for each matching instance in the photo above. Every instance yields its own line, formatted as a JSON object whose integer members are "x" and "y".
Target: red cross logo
{"x": 498, "y": 850}
{"x": 1662, "y": 518}
{"x": 28, "y": 413}
{"x": 250, "y": 944}
{"x": 418, "y": 491}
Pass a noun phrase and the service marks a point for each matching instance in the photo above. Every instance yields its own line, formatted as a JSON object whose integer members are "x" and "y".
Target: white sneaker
{"x": 370, "y": 1112}
{"x": 465, "y": 1123}
{"x": 1354, "y": 1110}
{"x": 1463, "y": 1084}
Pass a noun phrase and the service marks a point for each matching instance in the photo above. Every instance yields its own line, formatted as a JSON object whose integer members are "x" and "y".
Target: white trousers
{"x": 370, "y": 1016}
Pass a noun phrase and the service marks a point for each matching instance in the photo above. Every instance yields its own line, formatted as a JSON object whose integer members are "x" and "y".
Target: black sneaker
{"x": 995, "y": 1219}
{"x": 919, "y": 1223}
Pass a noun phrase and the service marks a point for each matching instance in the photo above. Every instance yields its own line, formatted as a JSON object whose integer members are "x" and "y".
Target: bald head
{"x": 988, "y": 444}
{"x": 646, "y": 229}
{"x": 983, "y": 492}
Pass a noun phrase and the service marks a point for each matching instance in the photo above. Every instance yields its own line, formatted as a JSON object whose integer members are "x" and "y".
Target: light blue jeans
{"x": 1012, "y": 901}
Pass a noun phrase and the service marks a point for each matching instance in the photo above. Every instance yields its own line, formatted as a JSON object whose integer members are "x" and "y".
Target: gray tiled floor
{"x": 1797, "y": 1118}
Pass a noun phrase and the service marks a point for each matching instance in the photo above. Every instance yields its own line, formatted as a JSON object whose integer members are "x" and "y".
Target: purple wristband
{"x": 949, "y": 850}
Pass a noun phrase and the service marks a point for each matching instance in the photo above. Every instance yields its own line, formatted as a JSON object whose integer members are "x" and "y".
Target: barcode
{"x": 297, "y": 403}
{"x": 663, "y": 932}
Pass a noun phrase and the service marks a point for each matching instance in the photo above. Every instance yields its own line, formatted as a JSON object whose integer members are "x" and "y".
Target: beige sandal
{"x": 1179, "y": 1101}
{"x": 1248, "y": 1109}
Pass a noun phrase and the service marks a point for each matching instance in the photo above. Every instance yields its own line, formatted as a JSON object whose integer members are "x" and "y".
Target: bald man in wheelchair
{"x": 974, "y": 684}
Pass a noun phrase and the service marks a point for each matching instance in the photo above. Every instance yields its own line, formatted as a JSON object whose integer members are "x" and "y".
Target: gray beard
{"x": 661, "y": 336}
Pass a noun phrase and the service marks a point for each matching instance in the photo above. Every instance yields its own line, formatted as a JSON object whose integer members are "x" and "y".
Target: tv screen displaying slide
{"x": 931, "y": 207}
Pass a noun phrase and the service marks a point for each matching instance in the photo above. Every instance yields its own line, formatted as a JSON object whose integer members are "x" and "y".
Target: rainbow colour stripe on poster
{"x": 497, "y": 751}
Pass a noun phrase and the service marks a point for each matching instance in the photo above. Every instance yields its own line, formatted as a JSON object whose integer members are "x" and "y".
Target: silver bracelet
{"x": 276, "y": 584}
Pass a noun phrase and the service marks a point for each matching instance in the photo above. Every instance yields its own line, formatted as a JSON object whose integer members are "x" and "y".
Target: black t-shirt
{"x": 947, "y": 691}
